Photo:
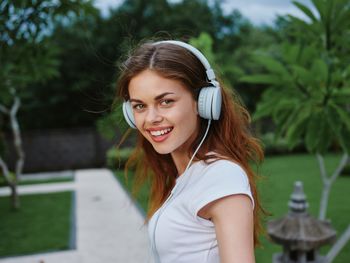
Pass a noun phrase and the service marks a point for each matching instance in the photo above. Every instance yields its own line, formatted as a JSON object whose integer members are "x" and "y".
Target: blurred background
{"x": 287, "y": 60}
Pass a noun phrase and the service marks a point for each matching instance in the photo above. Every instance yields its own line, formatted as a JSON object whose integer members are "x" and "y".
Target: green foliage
{"x": 117, "y": 157}
{"x": 308, "y": 85}
{"x": 28, "y": 54}
{"x": 204, "y": 43}
{"x": 3, "y": 181}
{"x": 272, "y": 145}
{"x": 112, "y": 123}
{"x": 261, "y": 79}
{"x": 26, "y": 63}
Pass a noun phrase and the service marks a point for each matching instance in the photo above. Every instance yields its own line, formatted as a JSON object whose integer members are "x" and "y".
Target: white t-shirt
{"x": 176, "y": 231}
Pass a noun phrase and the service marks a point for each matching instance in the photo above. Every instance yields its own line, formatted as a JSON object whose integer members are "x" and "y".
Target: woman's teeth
{"x": 160, "y": 132}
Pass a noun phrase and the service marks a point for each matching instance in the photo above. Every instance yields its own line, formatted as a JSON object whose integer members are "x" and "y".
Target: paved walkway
{"x": 109, "y": 226}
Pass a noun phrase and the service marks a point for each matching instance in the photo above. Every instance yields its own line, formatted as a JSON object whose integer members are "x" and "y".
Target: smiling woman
{"x": 194, "y": 145}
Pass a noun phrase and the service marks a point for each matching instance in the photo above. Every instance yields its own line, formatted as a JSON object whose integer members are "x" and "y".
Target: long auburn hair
{"x": 229, "y": 137}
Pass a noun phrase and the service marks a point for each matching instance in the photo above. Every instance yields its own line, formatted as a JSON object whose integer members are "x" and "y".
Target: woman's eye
{"x": 138, "y": 106}
{"x": 166, "y": 102}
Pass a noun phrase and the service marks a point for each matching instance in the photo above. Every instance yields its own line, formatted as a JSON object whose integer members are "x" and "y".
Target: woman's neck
{"x": 181, "y": 161}
{"x": 181, "y": 156}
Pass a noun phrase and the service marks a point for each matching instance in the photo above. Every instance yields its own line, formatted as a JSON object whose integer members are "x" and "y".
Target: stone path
{"x": 109, "y": 227}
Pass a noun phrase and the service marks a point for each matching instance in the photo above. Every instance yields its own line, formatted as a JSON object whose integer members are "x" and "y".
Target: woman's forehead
{"x": 149, "y": 83}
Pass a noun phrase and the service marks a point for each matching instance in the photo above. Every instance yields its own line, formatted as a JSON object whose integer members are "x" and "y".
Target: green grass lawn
{"x": 42, "y": 224}
{"x": 279, "y": 174}
{"x": 37, "y": 181}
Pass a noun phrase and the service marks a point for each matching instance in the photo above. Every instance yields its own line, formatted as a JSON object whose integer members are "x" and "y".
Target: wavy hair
{"x": 229, "y": 137}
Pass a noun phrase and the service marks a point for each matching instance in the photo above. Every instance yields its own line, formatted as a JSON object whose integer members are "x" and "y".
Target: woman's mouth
{"x": 160, "y": 135}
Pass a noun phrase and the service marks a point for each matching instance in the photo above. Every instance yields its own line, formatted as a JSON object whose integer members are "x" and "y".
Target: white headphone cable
{"x": 200, "y": 144}
{"x": 172, "y": 196}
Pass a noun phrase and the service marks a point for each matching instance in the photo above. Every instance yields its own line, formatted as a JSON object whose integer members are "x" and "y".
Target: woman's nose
{"x": 153, "y": 115}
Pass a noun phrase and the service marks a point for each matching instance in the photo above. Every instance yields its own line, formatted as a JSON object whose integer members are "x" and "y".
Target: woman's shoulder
{"x": 216, "y": 179}
{"x": 218, "y": 169}
{"x": 217, "y": 161}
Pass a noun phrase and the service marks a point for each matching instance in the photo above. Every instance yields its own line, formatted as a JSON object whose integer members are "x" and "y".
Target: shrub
{"x": 117, "y": 157}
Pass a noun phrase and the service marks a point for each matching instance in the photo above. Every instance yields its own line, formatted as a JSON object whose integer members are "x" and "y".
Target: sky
{"x": 265, "y": 11}
{"x": 259, "y": 12}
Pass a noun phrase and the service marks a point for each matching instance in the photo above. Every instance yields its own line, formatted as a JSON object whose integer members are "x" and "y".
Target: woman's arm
{"x": 233, "y": 219}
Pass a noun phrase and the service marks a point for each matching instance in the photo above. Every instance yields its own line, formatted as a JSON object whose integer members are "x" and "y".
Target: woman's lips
{"x": 157, "y": 136}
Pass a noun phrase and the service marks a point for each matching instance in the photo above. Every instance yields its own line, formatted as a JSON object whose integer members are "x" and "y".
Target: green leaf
{"x": 305, "y": 10}
{"x": 281, "y": 116}
{"x": 303, "y": 75}
{"x": 290, "y": 52}
{"x": 271, "y": 64}
{"x": 284, "y": 107}
{"x": 315, "y": 126}
{"x": 336, "y": 125}
{"x": 333, "y": 119}
{"x": 321, "y": 8}
{"x": 345, "y": 134}
{"x": 341, "y": 19}
{"x": 294, "y": 134}
{"x": 342, "y": 92}
{"x": 296, "y": 126}
{"x": 204, "y": 42}
{"x": 325, "y": 139}
{"x": 283, "y": 127}
{"x": 273, "y": 99}
{"x": 262, "y": 110}
{"x": 320, "y": 69}
{"x": 343, "y": 115}
{"x": 262, "y": 79}
{"x": 299, "y": 22}
{"x": 308, "y": 54}
{"x": 341, "y": 96}
{"x": 346, "y": 72}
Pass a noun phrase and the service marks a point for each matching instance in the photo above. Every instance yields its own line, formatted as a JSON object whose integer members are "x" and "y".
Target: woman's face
{"x": 165, "y": 112}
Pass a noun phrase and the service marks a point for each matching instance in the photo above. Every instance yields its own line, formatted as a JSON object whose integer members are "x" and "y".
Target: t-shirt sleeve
{"x": 221, "y": 178}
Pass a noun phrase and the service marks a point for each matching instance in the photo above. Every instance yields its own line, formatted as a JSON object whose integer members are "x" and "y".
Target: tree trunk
{"x": 12, "y": 113}
{"x": 324, "y": 201}
{"x": 328, "y": 182}
{"x": 14, "y": 197}
{"x": 17, "y": 138}
{"x": 12, "y": 183}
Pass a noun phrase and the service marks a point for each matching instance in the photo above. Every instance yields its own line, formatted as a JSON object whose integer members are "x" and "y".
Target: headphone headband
{"x": 209, "y": 71}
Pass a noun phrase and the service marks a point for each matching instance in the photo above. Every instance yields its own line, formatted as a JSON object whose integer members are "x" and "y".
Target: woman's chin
{"x": 162, "y": 150}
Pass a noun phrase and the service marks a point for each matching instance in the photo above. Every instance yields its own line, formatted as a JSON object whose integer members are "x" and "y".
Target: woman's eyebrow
{"x": 135, "y": 100}
{"x": 163, "y": 95}
{"x": 156, "y": 98}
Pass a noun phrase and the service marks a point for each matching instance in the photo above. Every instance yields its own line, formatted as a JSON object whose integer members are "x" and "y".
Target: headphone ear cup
{"x": 216, "y": 103}
{"x": 204, "y": 103}
{"x": 128, "y": 114}
{"x": 209, "y": 103}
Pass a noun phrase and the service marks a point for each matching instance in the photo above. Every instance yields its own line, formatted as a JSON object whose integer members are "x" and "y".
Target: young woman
{"x": 195, "y": 148}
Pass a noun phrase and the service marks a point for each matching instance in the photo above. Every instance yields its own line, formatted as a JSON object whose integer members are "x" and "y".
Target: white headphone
{"x": 209, "y": 100}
